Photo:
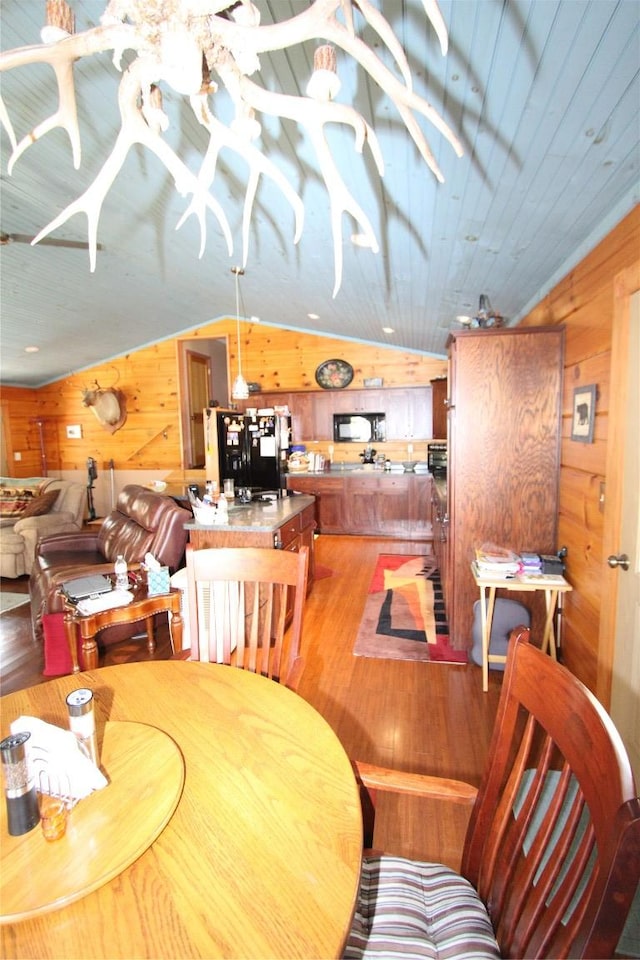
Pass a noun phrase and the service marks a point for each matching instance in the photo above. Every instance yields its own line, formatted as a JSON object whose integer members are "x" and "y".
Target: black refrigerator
{"x": 250, "y": 450}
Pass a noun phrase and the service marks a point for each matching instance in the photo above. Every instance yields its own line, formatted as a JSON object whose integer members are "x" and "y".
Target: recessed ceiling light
{"x": 388, "y": 330}
{"x": 313, "y": 316}
{"x": 31, "y": 349}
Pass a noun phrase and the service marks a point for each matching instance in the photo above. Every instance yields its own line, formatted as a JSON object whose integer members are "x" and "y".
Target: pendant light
{"x": 240, "y": 390}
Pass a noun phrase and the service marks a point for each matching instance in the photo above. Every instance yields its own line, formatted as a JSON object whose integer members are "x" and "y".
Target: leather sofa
{"x": 142, "y": 522}
{"x": 34, "y": 508}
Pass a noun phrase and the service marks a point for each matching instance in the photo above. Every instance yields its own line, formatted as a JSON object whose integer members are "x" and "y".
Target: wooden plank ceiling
{"x": 544, "y": 95}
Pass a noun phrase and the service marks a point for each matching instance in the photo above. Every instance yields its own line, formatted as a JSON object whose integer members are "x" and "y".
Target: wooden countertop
{"x": 258, "y": 516}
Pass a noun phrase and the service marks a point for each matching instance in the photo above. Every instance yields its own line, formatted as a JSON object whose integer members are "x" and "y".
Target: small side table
{"x": 142, "y": 607}
{"x": 553, "y": 586}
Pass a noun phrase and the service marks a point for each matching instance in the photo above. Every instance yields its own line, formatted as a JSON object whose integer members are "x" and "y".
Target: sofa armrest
{"x": 82, "y": 541}
{"x": 48, "y": 523}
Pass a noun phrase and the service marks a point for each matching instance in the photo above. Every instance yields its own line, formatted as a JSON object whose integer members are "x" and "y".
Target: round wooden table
{"x": 262, "y": 855}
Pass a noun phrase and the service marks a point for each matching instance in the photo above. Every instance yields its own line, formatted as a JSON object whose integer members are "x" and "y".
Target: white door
{"x": 625, "y": 681}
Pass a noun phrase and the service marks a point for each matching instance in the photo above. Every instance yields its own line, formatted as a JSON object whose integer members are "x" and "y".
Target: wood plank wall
{"x": 584, "y": 302}
{"x": 151, "y": 437}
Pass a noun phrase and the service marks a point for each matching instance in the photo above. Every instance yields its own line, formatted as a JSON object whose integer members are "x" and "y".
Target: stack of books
{"x": 530, "y": 564}
{"x": 493, "y": 561}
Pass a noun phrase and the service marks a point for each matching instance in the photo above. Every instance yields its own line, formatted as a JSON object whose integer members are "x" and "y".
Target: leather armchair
{"x": 142, "y": 522}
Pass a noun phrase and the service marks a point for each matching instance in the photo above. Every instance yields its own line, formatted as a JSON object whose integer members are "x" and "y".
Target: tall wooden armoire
{"x": 505, "y": 393}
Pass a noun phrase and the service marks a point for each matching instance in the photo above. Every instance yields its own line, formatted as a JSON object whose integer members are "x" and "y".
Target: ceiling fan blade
{"x": 6, "y": 238}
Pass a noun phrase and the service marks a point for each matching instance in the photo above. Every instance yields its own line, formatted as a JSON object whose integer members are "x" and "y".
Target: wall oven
{"x": 437, "y": 459}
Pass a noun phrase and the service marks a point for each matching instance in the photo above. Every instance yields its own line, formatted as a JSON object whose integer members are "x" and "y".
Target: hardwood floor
{"x": 424, "y": 717}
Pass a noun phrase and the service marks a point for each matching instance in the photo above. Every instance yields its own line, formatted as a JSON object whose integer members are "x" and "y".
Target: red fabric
{"x": 57, "y": 658}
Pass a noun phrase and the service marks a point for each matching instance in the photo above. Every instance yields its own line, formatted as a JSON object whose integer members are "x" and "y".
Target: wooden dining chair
{"x": 245, "y": 608}
{"x": 551, "y": 858}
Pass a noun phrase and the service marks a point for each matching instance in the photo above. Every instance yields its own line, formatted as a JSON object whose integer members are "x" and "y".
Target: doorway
{"x": 625, "y": 682}
{"x": 204, "y": 378}
{"x": 199, "y": 383}
{"x": 619, "y": 676}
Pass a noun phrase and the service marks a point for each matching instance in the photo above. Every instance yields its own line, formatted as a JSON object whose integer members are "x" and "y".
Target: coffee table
{"x": 144, "y": 606}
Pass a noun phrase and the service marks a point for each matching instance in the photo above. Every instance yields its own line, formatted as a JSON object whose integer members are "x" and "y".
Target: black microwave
{"x": 359, "y": 427}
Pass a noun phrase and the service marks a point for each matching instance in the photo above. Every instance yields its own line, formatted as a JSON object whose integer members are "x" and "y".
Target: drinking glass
{"x": 53, "y": 817}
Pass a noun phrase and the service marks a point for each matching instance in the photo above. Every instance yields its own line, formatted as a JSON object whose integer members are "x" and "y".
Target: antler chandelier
{"x": 193, "y": 47}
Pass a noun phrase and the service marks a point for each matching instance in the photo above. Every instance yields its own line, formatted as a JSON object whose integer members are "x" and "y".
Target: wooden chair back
{"x": 246, "y": 608}
{"x": 553, "y": 844}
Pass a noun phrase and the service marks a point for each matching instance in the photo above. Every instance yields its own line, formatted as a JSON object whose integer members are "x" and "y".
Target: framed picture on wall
{"x": 584, "y": 413}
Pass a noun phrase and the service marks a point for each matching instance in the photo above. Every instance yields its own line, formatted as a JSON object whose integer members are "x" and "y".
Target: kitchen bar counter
{"x": 284, "y": 524}
{"x": 259, "y": 516}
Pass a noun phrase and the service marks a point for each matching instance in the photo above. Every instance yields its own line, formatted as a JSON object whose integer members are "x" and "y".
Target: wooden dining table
{"x": 261, "y": 856}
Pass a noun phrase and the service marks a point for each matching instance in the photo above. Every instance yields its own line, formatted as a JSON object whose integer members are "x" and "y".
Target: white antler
{"x": 177, "y": 43}
{"x": 313, "y": 120}
{"x": 222, "y": 136}
{"x": 134, "y": 130}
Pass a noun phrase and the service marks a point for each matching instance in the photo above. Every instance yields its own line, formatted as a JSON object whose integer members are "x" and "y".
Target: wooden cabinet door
{"x": 329, "y": 492}
{"x": 504, "y": 445}
{"x": 420, "y": 508}
{"x": 439, "y": 408}
{"x": 307, "y": 540}
{"x": 409, "y": 413}
{"x": 440, "y": 540}
{"x": 361, "y": 494}
{"x": 394, "y": 507}
{"x": 302, "y": 409}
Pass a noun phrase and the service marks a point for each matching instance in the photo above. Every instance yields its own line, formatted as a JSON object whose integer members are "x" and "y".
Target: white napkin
{"x": 56, "y": 762}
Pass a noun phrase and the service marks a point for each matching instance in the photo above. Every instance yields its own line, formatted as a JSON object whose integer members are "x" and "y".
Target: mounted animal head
{"x": 108, "y": 406}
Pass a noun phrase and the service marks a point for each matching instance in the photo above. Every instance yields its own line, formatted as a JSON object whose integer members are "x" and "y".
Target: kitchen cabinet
{"x": 301, "y": 406}
{"x": 344, "y": 401}
{"x": 409, "y": 414}
{"x": 408, "y": 410}
{"x": 380, "y": 505}
{"x": 440, "y": 520}
{"x": 439, "y": 407}
{"x": 505, "y": 391}
{"x": 328, "y": 491}
{"x": 370, "y": 504}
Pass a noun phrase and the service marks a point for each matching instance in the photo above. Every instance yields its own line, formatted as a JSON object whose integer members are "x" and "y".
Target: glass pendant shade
{"x": 240, "y": 389}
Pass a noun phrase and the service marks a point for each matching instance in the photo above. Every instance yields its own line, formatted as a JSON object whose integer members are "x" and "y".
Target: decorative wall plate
{"x": 334, "y": 374}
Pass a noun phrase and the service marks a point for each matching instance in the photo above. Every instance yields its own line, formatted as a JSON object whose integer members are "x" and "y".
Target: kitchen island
{"x": 287, "y": 523}
{"x": 376, "y": 503}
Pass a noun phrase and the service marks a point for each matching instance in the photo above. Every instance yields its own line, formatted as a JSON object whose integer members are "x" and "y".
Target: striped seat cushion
{"x": 424, "y": 910}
